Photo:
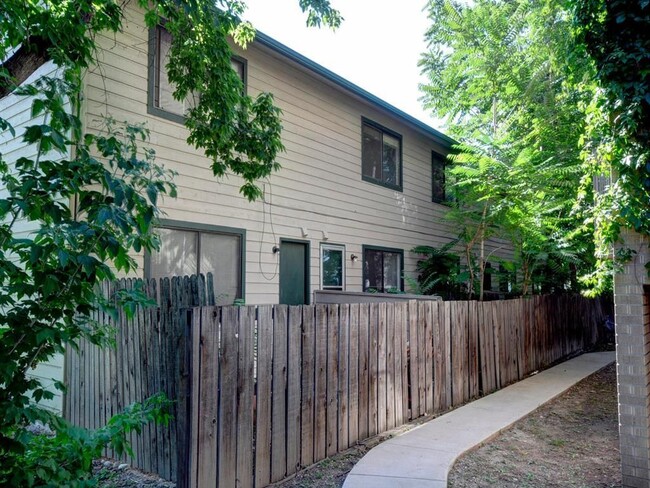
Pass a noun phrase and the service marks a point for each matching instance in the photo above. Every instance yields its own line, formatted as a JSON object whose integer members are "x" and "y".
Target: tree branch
{"x": 30, "y": 56}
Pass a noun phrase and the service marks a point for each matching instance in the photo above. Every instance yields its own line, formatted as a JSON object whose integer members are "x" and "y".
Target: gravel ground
{"x": 112, "y": 474}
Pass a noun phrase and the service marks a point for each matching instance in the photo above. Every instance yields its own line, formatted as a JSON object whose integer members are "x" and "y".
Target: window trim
{"x": 392, "y": 133}
{"x": 337, "y": 247}
{"x": 366, "y": 247}
{"x": 152, "y": 109}
{"x": 206, "y": 228}
{"x": 437, "y": 157}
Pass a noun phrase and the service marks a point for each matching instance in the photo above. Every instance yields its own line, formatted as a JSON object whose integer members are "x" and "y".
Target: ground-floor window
{"x": 382, "y": 269}
{"x": 332, "y": 265}
{"x": 187, "y": 250}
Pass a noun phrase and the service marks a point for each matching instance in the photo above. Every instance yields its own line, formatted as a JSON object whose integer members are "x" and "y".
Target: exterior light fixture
{"x": 354, "y": 258}
{"x": 276, "y": 250}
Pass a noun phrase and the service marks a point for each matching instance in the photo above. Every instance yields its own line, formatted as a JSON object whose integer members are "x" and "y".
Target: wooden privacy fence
{"x": 149, "y": 357}
{"x": 265, "y": 391}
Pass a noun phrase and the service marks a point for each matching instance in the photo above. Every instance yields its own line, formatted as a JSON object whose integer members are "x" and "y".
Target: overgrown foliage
{"x": 64, "y": 456}
{"x": 440, "y": 272}
{"x": 74, "y": 213}
{"x": 617, "y": 137}
{"x": 509, "y": 81}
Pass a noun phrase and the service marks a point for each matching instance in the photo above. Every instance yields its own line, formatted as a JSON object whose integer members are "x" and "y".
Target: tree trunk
{"x": 22, "y": 63}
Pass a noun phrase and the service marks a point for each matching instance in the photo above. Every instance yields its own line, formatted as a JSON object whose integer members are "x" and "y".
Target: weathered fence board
{"x": 401, "y": 366}
{"x": 227, "y": 461}
{"x": 261, "y": 392}
{"x": 414, "y": 360}
{"x": 263, "y": 398}
{"x": 294, "y": 390}
{"x": 429, "y": 322}
{"x": 364, "y": 337}
{"x": 320, "y": 416}
{"x": 344, "y": 383}
{"x": 382, "y": 369}
{"x": 207, "y": 408}
{"x": 308, "y": 372}
{"x": 279, "y": 406}
{"x": 391, "y": 400}
{"x": 332, "y": 379}
{"x": 353, "y": 375}
{"x": 373, "y": 366}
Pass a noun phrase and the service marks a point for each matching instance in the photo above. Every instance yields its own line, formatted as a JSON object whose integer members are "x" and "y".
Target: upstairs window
{"x": 187, "y": 251}
{"x": 382, "y": 269}
{"x": 438, "y": 178}
{"x": 161, "y": 100}
{"x": 381, "y": 155}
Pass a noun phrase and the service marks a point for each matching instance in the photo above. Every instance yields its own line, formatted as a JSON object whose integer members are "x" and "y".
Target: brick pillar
{"x": 632, "y": 308}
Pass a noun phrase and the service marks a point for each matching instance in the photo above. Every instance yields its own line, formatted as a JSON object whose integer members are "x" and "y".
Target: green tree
{"x": 49, "y": 278}
{"x": 617, "y": 141}
{"x": 507, "y": 79}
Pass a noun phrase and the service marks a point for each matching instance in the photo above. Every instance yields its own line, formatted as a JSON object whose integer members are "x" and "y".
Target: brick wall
{"x": 632, "y": 308}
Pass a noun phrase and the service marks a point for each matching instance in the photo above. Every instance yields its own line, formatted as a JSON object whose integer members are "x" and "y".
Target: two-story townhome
{"x": 361, "y": 182}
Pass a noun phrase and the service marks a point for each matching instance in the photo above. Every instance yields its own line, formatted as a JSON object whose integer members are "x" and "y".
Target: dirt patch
{"x": 329, "y": 473}
{"x": 569, "y": 442}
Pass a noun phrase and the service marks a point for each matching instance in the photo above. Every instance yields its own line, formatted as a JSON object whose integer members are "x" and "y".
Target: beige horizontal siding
{"x": 319, "y": 186}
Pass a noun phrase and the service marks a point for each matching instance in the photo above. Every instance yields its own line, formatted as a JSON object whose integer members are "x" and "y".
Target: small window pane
{"x": 238, "y": 66}
{"x": 165, "y": 99}
{"x": 332, "y": 268}
{"x": 177, "y": 255}
{"x": 221, "y": 256}
{"x": 372, "y": 153}
{"x": 390, "y": 168}
{"x": 391, "y": 271}
{"x": 373, "y": 264}
{"x": 164, "y": 89}
{"x": 438, "y": 178}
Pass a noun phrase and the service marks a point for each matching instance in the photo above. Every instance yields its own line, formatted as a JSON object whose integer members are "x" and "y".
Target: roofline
{"x": 346, "y": 85}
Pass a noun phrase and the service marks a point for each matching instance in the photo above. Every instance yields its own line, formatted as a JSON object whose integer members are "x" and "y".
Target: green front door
{"x": 294, "y": 280}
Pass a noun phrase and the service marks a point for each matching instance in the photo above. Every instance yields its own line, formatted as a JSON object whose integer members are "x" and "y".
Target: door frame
{"x": 307, "y": 245}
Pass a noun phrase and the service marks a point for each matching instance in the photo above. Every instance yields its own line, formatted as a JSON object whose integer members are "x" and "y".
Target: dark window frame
{"x": 206, "y": 229}
{"x": 394, "y": 250}
{"x": 152, "y": 77}
{"x": 438, "y": 159}
{"x": 392, "y": 133}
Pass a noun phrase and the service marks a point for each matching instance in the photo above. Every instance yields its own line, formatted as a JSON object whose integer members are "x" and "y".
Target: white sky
{"x": 377, "y": 47}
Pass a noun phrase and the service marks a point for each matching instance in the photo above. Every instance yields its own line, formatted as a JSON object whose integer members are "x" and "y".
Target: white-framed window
{"x": 332, "y": 267}
{"x": 187, "y": 250}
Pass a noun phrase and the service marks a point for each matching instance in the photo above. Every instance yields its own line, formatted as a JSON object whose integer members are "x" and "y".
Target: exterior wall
{"x": 17, "y": 110}
{"x": 632, "y": 306}
{"x": 319, "y": 187}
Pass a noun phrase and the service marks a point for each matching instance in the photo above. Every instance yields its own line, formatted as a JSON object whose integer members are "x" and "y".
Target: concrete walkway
{"x": 423, "y": 456}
